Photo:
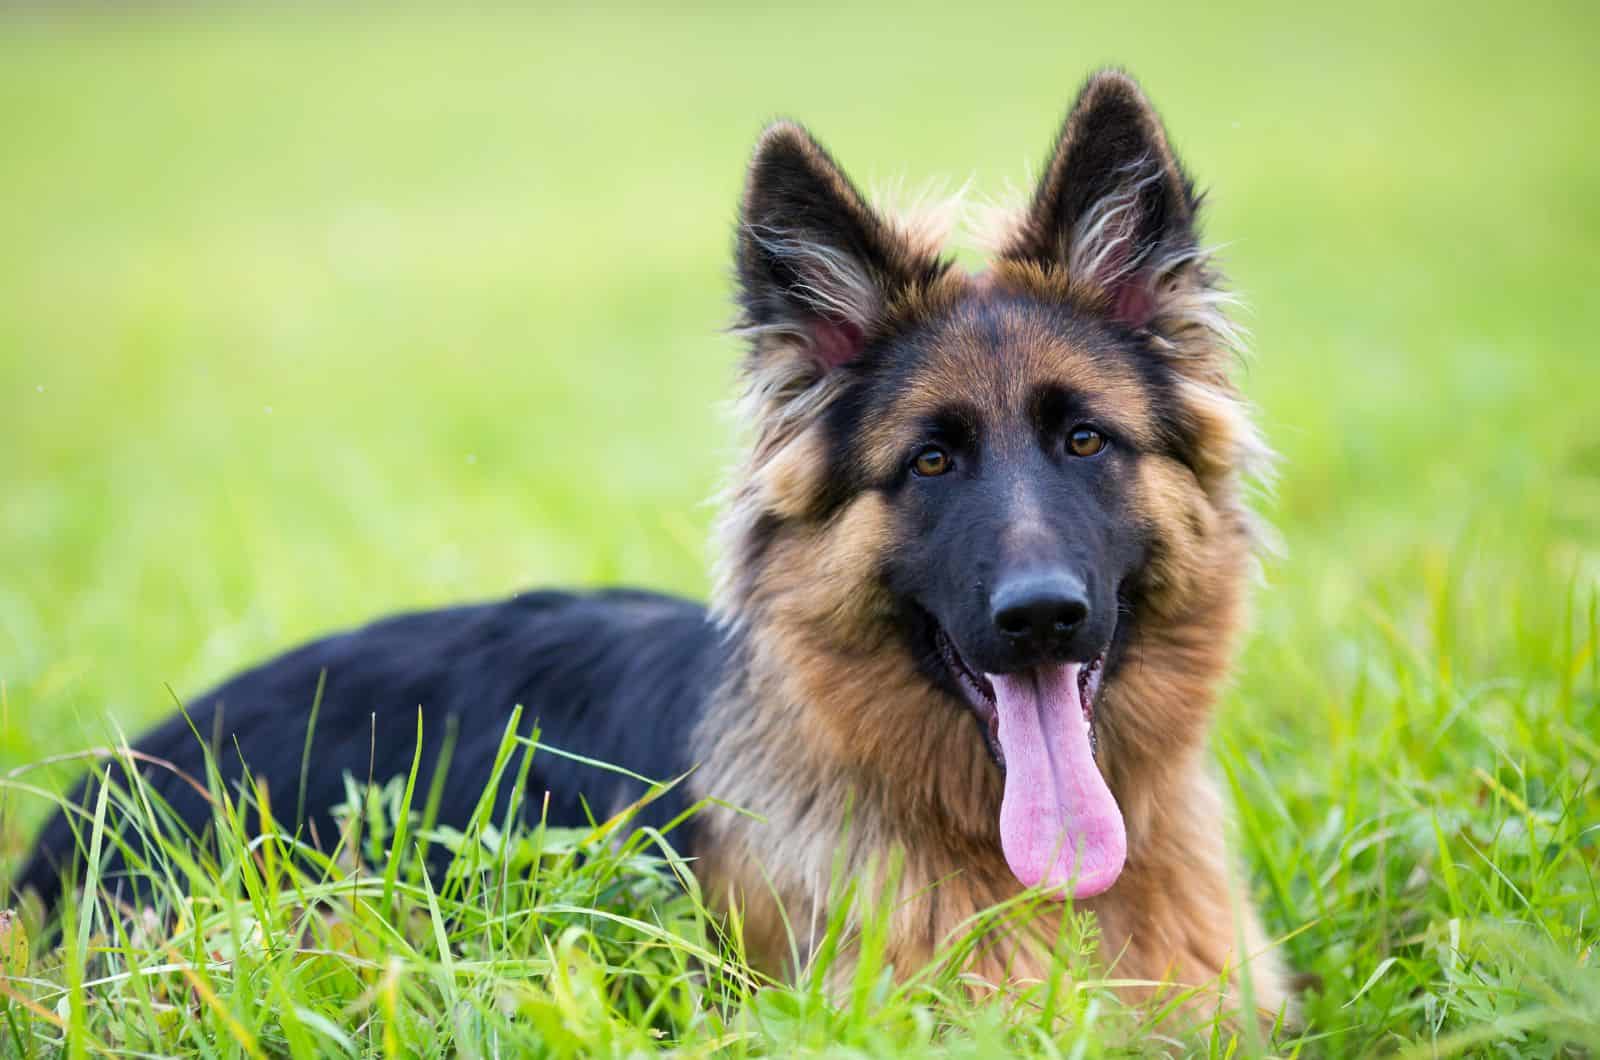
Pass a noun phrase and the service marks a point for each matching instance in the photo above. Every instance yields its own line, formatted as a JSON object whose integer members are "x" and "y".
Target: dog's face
{"x": 1015, "y": 478}
{"x": 1007, "y": 442}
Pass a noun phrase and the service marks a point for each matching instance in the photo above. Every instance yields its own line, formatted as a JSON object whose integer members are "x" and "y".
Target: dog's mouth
{"x": 1060, "y": 826}
{"x": 979, "y": 693}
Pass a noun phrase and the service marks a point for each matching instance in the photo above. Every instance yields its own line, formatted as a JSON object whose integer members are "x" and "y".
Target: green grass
{"x": 316, "y": 315}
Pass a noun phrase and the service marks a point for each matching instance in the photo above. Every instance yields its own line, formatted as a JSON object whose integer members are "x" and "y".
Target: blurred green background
{"x": 308, "y": 315}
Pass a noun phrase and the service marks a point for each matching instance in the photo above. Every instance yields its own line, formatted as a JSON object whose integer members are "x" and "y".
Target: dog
{"x": 982, "y": 569}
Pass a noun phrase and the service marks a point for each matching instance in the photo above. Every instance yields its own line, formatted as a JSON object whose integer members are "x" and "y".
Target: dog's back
{"x": 620, "y": 677}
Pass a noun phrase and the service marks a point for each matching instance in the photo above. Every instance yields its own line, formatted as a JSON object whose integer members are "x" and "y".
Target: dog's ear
{"x": 1113, "y": 209}
{"x": 818, "y": 267}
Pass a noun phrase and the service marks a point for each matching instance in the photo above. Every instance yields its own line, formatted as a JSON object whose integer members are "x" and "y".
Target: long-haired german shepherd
{"x": 982, "y": 571}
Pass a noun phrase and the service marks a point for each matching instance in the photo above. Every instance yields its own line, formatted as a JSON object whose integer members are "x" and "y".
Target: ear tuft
{"x": 817, "y": 266}
{"x": 1113, "y": 209}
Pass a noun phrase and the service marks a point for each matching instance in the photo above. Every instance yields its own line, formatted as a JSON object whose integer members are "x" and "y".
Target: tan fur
{"x": 852, "y": 758}
{"x": 832, "y": 723}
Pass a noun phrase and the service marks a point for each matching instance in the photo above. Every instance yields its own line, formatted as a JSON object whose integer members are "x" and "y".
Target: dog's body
{"x": 982, "y": 573}
{"x": 620, "y": 677}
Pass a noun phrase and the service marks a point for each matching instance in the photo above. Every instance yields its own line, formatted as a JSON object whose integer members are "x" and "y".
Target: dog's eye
{"x": 1085, "y": 441}
{"x": 931, "y": 461}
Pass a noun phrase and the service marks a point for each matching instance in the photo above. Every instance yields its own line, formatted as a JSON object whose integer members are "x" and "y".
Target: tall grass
{"x": 514, "y": 938}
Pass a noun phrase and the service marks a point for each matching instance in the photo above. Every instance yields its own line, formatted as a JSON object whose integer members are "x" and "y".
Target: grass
{"x": 307, "y": 316}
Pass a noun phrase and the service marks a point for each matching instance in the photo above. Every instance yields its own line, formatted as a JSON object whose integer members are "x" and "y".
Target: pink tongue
{"x": 1058, "y": 821}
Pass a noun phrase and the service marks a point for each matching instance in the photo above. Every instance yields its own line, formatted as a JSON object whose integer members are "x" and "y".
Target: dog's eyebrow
{"x": 956, "y": 422}
{"x": 1051, "y": 404}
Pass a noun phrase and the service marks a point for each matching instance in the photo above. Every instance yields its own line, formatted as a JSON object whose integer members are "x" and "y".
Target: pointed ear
{"x": 1113, "y": 209}
{"x": 817, "y": 266}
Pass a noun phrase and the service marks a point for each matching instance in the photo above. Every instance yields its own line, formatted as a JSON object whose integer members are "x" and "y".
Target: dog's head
{"x": 1025, "y": 481}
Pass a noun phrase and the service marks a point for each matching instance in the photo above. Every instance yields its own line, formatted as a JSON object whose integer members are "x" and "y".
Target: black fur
{"x": 616, "y": 676}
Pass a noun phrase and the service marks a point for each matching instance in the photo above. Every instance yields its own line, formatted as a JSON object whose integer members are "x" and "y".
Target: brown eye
{"x": 1085, "y": 441}
{"x": 931, "y": 462}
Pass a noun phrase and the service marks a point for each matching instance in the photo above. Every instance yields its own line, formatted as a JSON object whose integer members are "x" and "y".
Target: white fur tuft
{"x": 925, "y": 218}
{"x": 831, "y": 282}
{"x": 1101, "y": 248}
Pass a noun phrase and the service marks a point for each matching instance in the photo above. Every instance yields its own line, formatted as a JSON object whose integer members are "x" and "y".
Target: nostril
{"x": 1068, "y": 613}
{"x": 1013, "y": 622}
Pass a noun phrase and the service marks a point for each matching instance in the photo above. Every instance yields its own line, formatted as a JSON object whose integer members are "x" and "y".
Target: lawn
{"x": 307, "y": 316}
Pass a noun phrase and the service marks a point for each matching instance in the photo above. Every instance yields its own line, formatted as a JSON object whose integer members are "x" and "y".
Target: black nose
{"x": 1034, "y": 611}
